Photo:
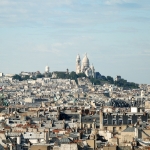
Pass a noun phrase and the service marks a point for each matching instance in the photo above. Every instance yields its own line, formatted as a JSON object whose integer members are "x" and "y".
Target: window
{"x": 105, "y": 121}
{"x": 120, "y": 117}
{"x": 105, "y": 116}
{"x": 120, "y": 121}
{"x": 90, "y": 125}
{"x": 129, "y": 121}
{"x": 85, "y": 125}
{"x": 114, "y": 121}
{"x": 130, "y": 117}
{"x": 114, "y": 117}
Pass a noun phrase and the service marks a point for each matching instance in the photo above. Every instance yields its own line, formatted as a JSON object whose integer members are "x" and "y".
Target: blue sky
{"x": 114, "y": 33}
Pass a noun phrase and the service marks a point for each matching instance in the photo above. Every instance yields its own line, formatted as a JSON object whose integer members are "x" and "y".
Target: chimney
{"x": 136, "y": 132}
{"x": 101, "y": 120}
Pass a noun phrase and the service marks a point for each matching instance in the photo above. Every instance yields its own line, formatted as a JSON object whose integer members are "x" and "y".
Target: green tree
{"x": 17, "y": 77}
{"x": 39, "y": 76}
{"x": 61, "y": 75}
{"x": 73, "y": 75}
{"x": 81, "y": 75}
{"x": 110, "y": 79}
{"x": 103, "y": 78}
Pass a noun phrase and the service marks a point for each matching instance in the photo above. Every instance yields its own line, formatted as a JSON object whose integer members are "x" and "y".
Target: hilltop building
{"x": 47, "y": 69}
{"x": 85, "y": 66}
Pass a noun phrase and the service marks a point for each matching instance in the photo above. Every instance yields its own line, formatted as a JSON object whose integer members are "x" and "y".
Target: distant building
{"x": 1, "y": 74}
{"x": 97, "y": 75}
{"x": 47, "y": 69}
{"x": 118, "y": 78}
{"x": 9, "y": 75}
{"x": 85, "y": 66}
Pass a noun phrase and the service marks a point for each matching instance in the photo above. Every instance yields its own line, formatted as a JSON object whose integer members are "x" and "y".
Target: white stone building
{"x": 85, "y": 66}
{"x": 47, "y": 69}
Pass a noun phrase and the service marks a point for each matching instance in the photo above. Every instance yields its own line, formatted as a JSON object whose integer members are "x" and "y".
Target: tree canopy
{"x": 73, "y": 76}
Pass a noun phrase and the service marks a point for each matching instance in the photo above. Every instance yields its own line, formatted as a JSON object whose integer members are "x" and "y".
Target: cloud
{"x": 145, "y": 52}
{"x": 58, "y": 14}
{"x": 129, "y": 29}
{"x": 123, "y": 4}
{"x": 35, "y": 2}
{"x": 22, "y": 12}
{"x": 112, "y": 2}
{"x": 55, "y": 48}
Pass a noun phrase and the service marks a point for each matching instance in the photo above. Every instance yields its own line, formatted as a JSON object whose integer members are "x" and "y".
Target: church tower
{"x": 47, "y": 69}
{"x": 93, "y": 71}
{"x": 78, "y": 64}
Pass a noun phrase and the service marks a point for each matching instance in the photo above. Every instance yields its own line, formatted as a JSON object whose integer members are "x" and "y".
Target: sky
{"x": 115, "y": 34}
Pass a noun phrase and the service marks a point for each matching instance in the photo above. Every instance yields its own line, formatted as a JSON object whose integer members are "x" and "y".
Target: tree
{"x": 81, "y": 75}
{"x": 73, "y": 75}
{"x": 110, "y": 79}
{"x": 61, "y": 75}
{"x": 39, "y": 76}
{"x": 95, "y": 81}
{"x": 17, "y": 77}
{"x": 103, "y": 78}
{"x": 125, "y": 84}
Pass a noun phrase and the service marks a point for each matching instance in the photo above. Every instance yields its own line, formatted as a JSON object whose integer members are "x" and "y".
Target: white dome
{"x": 85, "y": 61}
{"x": 47, "y": 69}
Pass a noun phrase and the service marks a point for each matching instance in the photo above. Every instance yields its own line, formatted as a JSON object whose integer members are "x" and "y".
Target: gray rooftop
{"x": 129, "y": 129}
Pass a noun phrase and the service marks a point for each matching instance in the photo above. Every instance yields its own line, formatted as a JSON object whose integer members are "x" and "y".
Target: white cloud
{"x": 145, "y": 52}
{"x": 55, "y": 48}
{"x": 29, "y": 10}
{"x": 112, "y": 2}
{"x": 35, "y": 2}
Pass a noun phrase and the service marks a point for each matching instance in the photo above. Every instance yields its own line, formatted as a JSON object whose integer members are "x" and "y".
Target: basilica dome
{"x": 84, "y": 67}
{"x": 85, "y": 61}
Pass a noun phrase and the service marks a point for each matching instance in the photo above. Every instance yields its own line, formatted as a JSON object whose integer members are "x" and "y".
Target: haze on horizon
{"x": 114, "y": 33}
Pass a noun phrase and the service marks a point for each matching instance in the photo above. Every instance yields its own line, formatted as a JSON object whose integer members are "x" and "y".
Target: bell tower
{"x": 78, "y": 64}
